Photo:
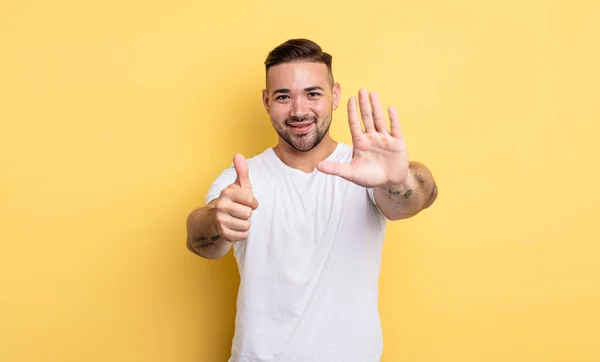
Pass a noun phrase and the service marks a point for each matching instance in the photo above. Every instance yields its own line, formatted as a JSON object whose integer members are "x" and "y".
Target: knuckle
{"x": 225, "y": 192}
{"x": 221, "y": 204}
{"x": 220, "y": 218}
{"x": 229, "y": 191}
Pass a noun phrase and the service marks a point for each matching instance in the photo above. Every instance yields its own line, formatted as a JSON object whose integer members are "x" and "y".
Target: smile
{"x": 301, "y": 127}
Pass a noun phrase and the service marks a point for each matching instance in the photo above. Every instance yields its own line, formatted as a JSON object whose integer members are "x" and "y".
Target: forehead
{"x": 297, "y": 75}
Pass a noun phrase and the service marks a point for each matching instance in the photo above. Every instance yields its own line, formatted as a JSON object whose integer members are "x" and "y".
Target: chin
{"x": 301, "y": 143}
{"x": 307, "y": 145}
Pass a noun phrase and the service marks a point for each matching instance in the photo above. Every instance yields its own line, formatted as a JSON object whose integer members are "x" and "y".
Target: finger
{"x": 396, "y": 131}
{"x": 343, "y": 170}
{"x": 241, "y": 169}
{"x": 365, "y": 110}
{"x": 236, "y": 224}
{"x": 234, "y": 236}
{"x": 235, "y": 194}
{"x": 244, "y": 197}
{"x": 238, "y": 211}
{"x": 253, "y": 203}
{"x": 353, "y": 119}
{"x": 378, "y": 116}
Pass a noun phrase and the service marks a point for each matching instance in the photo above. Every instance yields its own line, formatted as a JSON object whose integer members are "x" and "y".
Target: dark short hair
{"x": 298, "y": 50}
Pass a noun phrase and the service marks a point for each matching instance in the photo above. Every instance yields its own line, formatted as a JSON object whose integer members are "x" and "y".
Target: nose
{"x": 299, "y": 107}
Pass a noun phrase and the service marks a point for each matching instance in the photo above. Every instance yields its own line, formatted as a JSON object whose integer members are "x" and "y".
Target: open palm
{"x": 380, "y": 156}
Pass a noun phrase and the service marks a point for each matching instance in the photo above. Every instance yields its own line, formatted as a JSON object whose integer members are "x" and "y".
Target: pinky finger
{"x": 234, "y": 236}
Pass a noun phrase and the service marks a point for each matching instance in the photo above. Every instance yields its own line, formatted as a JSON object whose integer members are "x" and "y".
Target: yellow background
{"x": 117, "y": 115}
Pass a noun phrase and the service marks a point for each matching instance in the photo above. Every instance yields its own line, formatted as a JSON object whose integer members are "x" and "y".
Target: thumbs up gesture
{"x": 236, "y": 204}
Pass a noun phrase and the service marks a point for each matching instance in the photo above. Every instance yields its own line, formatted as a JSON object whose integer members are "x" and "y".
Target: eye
{"x": 313, "y": 94}
{"x": 282, "y": 97}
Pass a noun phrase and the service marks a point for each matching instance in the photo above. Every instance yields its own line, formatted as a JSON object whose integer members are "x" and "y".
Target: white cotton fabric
{"x": 309, "y": 268}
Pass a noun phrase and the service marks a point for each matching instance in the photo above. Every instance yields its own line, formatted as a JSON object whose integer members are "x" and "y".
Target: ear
{"x": 265, "y": 99}
{"x": 337, "y": 93}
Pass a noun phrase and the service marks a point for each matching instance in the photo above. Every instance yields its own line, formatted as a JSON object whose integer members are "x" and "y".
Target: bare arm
{"x": 380, "y": 161}
{"x": 212, "y": 229}
{"x": 402, "y": 201}
{"x": 203, "y": 237}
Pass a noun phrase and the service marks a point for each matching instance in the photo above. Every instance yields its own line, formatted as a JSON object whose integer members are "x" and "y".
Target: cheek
{"x": 321, "y": 109}
{"x": 278, "y": 112}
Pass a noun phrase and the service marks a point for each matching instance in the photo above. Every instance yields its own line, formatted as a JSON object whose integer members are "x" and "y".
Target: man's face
{"x": 300, "y": 99}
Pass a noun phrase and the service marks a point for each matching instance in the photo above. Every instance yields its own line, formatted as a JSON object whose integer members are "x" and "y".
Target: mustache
{"x": 292, "y": 120}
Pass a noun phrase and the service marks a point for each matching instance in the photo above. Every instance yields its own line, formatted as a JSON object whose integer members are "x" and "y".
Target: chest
{"x": 309, "y": 224}
{"x": 307, "y": 205}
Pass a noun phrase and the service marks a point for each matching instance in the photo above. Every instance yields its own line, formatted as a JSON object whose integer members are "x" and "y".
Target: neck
{"x": 305, "y": 161}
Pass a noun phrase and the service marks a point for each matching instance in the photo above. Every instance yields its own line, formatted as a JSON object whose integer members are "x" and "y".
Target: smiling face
{"x": 300, "y": 99}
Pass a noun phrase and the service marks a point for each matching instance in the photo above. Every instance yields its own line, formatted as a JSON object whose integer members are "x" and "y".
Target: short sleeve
{"x": 226, "y": 178}
{"x": 372, "y": 196}
{"x": 371, "y": 193}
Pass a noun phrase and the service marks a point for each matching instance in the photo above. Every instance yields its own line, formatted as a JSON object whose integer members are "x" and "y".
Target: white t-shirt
{"x": 309, "y": 268}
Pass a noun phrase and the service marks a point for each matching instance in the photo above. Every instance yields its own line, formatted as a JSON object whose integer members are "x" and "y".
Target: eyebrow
{"x": 286, "y": 90}
{"x": 281, "y": 90}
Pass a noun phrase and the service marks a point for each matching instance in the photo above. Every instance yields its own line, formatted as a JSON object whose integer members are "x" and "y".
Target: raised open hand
{"x": 380, "y": 156}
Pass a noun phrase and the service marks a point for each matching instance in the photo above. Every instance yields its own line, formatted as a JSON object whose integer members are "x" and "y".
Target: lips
{"x": 301, "y": 127}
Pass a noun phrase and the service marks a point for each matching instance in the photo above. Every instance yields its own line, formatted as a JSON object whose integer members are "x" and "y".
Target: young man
{"x": 306, "y": 218}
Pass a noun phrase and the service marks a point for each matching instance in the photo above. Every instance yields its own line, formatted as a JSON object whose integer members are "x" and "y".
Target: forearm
{"x": 418, "y": 192}
{"x": 203, "y": 237}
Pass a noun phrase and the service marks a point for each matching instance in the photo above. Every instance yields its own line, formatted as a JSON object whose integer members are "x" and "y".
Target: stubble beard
{"x": 303, "y": 142}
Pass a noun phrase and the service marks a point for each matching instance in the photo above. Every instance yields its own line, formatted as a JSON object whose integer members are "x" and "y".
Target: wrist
{"x": 213, "y": 227}
{"x": 405, "y": 195}
{"x": 407, "y": 184}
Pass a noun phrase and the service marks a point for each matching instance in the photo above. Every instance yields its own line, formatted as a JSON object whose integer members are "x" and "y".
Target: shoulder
{"x": 343, "y": 153}
{"x": 255, "y": 163}
{"x": 256, "y": 167}
{"x": 260, "y": 161}
{"x": 260, "y": 164}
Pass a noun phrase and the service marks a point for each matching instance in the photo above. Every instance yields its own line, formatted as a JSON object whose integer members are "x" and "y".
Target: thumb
{"x": 343, "y": 170}
{"x": 241, "y": 169}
